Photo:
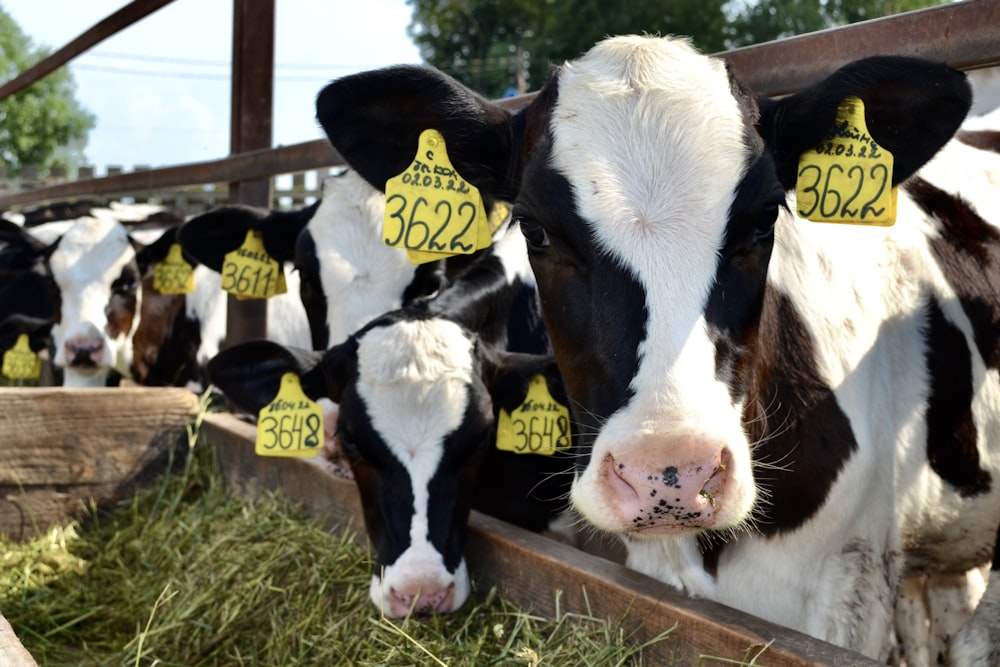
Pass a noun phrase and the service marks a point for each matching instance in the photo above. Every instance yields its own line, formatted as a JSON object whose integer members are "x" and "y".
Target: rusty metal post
{"x": 251, "y": 129}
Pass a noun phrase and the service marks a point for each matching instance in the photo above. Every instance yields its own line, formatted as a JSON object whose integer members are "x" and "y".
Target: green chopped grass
{"x": 188, "y": 574}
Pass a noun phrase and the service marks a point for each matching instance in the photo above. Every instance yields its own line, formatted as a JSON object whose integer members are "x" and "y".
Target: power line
{"x": 115, "y": 55}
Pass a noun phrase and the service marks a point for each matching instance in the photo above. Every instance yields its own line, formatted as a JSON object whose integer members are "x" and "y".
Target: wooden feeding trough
{"x": 539, "y": 573}
{"x": 66, "y": 450}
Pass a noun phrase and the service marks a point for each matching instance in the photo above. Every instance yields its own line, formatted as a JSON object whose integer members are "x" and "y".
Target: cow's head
{"x": 95, "y": 297}
{"x": 648, "y": 183}
{"x": 418, "y": 395}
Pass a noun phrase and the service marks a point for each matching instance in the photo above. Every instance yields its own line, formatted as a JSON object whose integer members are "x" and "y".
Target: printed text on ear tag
{"x": 20, "y": 362}
{"x": 250, "y": 273}
{"x": 430, "y": 210}
{"x": 291, "y": 424}
{"x": 173, "y": 275}
{"x": 540, "y": 425}
{"x": 847, "y": 177}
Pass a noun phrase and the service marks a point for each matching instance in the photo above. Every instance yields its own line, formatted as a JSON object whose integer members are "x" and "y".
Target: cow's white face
{"x": 652, "y": 146}
{"x": 414, "y": 432}
{"x": 94, "y": 267}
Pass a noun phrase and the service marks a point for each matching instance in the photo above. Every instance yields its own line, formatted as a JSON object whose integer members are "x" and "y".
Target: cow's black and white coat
{"x": 109, "y": 320}
{"x": 346, "y": 275}
{"x": 781, "y": 415}
{"x": 418, "y": 390}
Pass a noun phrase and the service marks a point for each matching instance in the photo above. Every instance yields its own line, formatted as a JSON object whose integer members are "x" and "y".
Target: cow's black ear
{"x": 156, "y": 251}
{"x": 15, "y": 236}
{"x": 250, "y": 373}
{"x": 281, "y": 229}
{"x": 210, "y": 236}
{"x": 334, "y": 371}
{"x": 912, "y": 108}
{"x": 507, "y": 376}
{"x": 375, "y": 118}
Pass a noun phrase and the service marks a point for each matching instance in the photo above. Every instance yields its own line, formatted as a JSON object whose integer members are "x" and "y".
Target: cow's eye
{"x": 765, "y": 221}
{"x": 534, "y": 233}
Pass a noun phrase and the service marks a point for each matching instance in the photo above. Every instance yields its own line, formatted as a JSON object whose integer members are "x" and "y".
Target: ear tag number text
{"x": 291, "y": 424}
{"x": 430, "y": 210}
{"x": 250, "y": 273}
{"x": 847, "y": 177}
{"x": 540, "y": 425}
{"x": 173, "y": 275}
{"x": 20, "y": 362}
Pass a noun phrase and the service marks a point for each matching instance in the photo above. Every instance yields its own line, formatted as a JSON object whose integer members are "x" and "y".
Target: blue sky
{"x": 160, "y": 89}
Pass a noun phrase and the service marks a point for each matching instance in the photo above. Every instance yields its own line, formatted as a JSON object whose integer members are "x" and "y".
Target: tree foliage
{"x": 43, "y": 120}
{"x": 493, "y": 45}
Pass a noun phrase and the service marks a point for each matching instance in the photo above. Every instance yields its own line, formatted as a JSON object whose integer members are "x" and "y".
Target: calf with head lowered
{"x": 418, "y": 391}
{"x": 781, "y": 415}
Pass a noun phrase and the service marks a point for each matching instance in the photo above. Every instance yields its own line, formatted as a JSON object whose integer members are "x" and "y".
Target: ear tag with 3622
{"x": 250, "y": 273}
{"x": 540, "y": 425}
{"x": 173, "y": 275}
{"x": 847, "y": 177}
{"x": 291, "y": 424}
{"x": 20, "y": 362}
{"x": 430, "y": 210}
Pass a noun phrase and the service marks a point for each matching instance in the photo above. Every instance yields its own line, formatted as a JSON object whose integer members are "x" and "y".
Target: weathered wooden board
{"x": 64, "y": 449}
{"x": 541, "y": 574}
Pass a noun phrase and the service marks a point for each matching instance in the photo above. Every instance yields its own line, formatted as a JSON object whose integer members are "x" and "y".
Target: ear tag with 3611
{"x": 540, "y": 425}
{"x": 173, "y": 275}
{"x": 291, "y": 424}
{"x": 430, "y": 210}
{"x": 250, "y": 273}
{"x": 848, "y": 176}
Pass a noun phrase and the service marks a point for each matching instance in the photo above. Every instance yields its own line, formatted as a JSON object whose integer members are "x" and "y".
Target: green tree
{"x": 766, "y": 20}
{"x": 44, "y": 120}
{"x": 494, "y": 45}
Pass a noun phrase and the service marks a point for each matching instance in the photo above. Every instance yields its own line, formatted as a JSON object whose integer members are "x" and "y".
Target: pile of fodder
{"x": 188, "y": 574}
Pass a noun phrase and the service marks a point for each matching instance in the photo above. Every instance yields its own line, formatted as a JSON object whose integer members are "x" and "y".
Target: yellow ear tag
{"x": 173, "y": 275}
{"x": 20, "y": 362}
{"x": 847, "y": 177}
{"x": 430, "y": 210}
{"x": 291, "y": 424}
{"x": 250, "y": 273}
{"x": 540, "y": 425}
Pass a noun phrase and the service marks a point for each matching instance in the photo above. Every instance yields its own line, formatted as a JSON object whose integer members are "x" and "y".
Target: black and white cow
{"x": 347, "y": 275}
{"x": 781, "y": 415}
{"x": 418, "y": 391}
{"x": 98, "y": 271}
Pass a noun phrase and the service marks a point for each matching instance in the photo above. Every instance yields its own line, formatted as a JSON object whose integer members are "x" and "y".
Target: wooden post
{"x": 251, "y": 129}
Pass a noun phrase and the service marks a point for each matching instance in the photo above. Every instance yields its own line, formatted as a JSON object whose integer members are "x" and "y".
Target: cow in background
{"x": 783, "y": 416}
{"x": 97, "y": 268}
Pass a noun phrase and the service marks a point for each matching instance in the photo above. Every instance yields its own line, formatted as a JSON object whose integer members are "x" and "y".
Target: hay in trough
{"x": 188, "y": 574}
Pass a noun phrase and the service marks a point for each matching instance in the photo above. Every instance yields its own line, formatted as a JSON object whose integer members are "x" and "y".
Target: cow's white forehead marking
{"x": 650, "y": 136}
{"x": 414, "y": 377}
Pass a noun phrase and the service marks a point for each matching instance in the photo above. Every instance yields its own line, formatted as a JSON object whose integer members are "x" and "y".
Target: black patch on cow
{"x": 996, "y": 553}
{"x": 311, "y": 289}
{"x": 968, "y": 253}
{"x": 382, "y": 480}
{"x": 734, "y": 305}
{"x": 800, "y": 436}
{"x": 594, "y": 309}
{"x": 986, "y": 140}
{"x": 951, "y": 430}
